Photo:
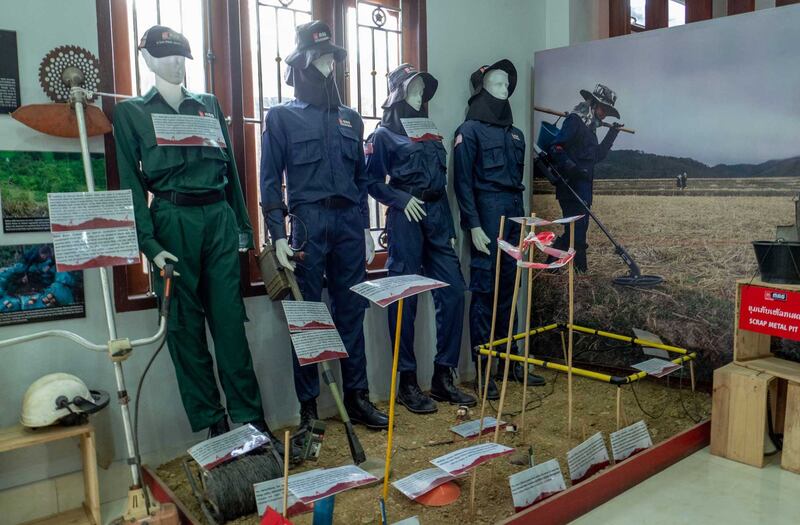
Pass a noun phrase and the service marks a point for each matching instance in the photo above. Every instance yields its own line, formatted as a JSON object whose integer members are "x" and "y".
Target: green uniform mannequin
{"x": 198, "y": 219}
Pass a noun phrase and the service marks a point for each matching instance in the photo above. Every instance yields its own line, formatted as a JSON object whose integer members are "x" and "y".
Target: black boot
{"x": 308, "y": 413}
{"x": 361, "y": 410}
{"x": 491, "y": 392}
{"x": 219, "y": 428}
{"x": 410, "y": 396}
{"x": 443, "y": 389}
{"x": 295, "y": 452}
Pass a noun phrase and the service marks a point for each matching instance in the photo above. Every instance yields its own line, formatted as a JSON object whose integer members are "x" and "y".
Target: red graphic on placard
{"x": 325, "y": 355}
{"x": 594, "y": 469}
{"x": 543, "y": 496}
{"x": 97, "y": 223}
{"x": 192, "y": 140}
{"x": 335, "y": 489}
{"x": 480, "y": 461}
{"x": 770, "y": 311}
{"x": 427, "y": 136}
{"x": 408, "y": 292}
{"x": 97, "y": 262}
{"x": 311, "y": 325}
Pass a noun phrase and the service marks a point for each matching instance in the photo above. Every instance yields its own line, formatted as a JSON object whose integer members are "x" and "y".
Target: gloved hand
{"x": 161, "y": 259}
{"x": 617, "y": 126}
{"x": 414, "y": 210}
{"x": 572, "y": 172}
{"x": 370, "y": 242}
{"x": 453, "y": 243}
{"x": 480, "y": 241}
{"x": 283, "y": 252}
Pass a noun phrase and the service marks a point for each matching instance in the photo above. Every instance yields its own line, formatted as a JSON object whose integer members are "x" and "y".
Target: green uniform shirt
{"x": 144, "y": 166}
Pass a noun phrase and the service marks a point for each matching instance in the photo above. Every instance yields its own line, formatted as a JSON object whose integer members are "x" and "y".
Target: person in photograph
{"x": 575, "y": 151}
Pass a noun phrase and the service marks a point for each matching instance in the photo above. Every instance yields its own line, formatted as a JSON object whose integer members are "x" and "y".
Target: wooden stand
{"x": 739, "y": 410}
{"x": 18, "y": 437}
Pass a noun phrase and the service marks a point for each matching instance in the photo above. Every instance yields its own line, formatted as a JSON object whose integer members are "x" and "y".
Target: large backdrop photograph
{"x": 713, "y": 165}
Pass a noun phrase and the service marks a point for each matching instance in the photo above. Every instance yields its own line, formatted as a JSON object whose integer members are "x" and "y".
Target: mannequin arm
{"x": 464, "y": 154}
{"x": 377, "y": 162}
{"x": 370, "y": 245}
{"x": 273, "y": 163}
{"x": 480, "y": 241}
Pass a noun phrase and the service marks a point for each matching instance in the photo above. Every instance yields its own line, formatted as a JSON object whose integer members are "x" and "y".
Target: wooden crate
{"x": 18, "y": 437}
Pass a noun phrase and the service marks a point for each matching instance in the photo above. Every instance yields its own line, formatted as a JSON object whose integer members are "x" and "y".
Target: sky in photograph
{"x": 725, "y": 91}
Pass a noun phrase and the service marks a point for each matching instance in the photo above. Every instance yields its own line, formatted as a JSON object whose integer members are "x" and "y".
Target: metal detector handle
{"x": 168, "y": 273}
{"x": 566, "y": 114}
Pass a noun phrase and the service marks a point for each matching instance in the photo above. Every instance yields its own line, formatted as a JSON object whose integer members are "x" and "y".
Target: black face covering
{"x": 399, "y": 110}
{"x": 311, "y": 86}
{"x": 489, "y": 109}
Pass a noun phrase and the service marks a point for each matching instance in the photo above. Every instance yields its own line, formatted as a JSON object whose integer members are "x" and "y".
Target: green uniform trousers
{"x": 205, "y": 239}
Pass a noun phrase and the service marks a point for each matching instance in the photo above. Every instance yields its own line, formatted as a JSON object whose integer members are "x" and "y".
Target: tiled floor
{"x": 706, "y": 489}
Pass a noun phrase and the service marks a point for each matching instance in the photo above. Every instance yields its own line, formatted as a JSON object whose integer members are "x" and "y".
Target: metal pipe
{"x": 54, "y": 333}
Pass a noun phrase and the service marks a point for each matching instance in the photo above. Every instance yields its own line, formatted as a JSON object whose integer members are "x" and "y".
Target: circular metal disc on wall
{"x": 57, "y": 61}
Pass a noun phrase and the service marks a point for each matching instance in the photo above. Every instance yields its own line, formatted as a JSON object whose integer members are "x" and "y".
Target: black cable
{"x": 680, "y": 397}
{"x": 636, "y": 397}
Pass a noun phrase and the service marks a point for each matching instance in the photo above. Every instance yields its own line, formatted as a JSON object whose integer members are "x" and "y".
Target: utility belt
{"x": 191, "y": 199}
{"x": 423, "y": 195}
{"x": 335, "y": 203}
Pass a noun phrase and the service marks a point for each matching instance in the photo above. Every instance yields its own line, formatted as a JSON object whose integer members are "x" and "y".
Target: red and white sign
{"x": 471, "y": 429}
{"x": 535, "y": 484}
{"x": 93, "y": 229}
{"x": 586, "y": 459}
{"x": 311, "y": 486}
{"x": 460, "y": 461}
{"x": 628, "y": 441}
{"x": 270, "y": 494}
{"x": 770, "y": 311}
{"x": 419, "y": 129}
{"x": 421, "y": 482}
{"x": 188, "y": 130}
{"x": 314, "y": 336}
{"x": 388, "y": 290}
{"x": 219, "y": 449}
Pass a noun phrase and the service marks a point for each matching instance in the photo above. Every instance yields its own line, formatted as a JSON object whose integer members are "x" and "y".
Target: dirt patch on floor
{"x": 418, "y": 439}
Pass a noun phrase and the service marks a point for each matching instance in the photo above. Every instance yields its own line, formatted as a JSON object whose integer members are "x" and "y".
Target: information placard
{"x": 317, "y": 484}
{"x": 419, "y": 129}
{"x": 422, "y": 482}
{"x": 188, "y": 130}
{"x": 586, "y": 459}
{"x": 629, "y": 440}
{"x": 307, "y": 315}
{"x": 770, "y": 311}
{"x": 459, "y": 461}
{"x": 317, "y": 346}
{"x": 470, "y": 429}
{"x": 270, "y": 493}
{"x": 657, "y": 367}
{"x": 535, "y": 484}
{"x": 388, "y": 290}
{"x": 217, "y": 450}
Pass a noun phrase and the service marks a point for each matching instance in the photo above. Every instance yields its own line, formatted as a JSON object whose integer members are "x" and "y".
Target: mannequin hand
{"x": 370, "y": 243}
{"x": 453, "y": 243}
{"x": 162, "y": 258}
{"x": 414, "y": 210}
{"x": 283, "y": 252}
{"x": 480, "y": 241}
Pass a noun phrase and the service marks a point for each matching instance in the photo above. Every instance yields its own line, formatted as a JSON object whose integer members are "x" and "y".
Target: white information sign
{"x": 318, "y": 484}
{"x": 388, "y": 290}
{"x": 657, "y": 367}
{"x": 459, "y": 461}
{"x": 535, "y": 484}
{"x": 422, "y": 482}
{"x": 307, "y": 315}
{"x": 419, "y": 129}
{"x": 413, "y": 520}
{"x": 648, "y": 350}
{"x": 188, "y": 130}
{"x": 317, "y": 346}
{"x": 219, "y": 449}
{"x": 91, "y": 230}
{"x": 630, "y": 440}
{"x": 270, "y": 493}
{"x": 471, "y": 429}
{"x": 587, "y": 458}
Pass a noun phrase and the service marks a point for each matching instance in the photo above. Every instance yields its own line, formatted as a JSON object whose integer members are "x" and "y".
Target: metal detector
{"x": 635, "y": 277}
{"x": 70, "y": 74}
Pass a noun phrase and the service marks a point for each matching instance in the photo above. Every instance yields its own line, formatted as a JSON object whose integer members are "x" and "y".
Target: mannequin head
{"x": 496, "y": 83}
{"x": 324, "y": 64}
{"x": 414, "y": 93}
{"x": 171, "y": 69}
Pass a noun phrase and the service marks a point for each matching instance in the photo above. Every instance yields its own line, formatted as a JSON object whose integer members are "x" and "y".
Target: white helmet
{"x": 60, "y": 398}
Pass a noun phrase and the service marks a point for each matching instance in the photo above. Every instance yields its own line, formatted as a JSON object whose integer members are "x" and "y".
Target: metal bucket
{"x": 778, "y": 261}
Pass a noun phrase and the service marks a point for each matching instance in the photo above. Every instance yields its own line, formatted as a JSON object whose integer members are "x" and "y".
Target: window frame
{"x": 656, "y": 15}
{"x": 229, "y": 74}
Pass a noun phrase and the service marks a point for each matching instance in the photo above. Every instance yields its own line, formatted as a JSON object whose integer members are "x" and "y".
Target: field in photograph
{"x": 705, "y": 187}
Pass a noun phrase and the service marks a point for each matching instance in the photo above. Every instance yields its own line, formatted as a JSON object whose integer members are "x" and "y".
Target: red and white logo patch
{"x": 320, "y": 36}
{"x": 459, "y": 140}
{"x": 344, "y": 122}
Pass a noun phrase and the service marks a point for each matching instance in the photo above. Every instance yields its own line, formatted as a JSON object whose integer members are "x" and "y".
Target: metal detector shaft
{"x": 541, "y": 157}
{"x": 566, "y": 114}
{"x": 356, "y": 450}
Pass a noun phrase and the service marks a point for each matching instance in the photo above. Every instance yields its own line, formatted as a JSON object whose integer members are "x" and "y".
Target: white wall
{"x": 462, "y": 35}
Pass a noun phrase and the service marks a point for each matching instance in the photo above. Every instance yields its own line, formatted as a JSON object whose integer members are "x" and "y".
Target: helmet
{"x": 60, "y": 398}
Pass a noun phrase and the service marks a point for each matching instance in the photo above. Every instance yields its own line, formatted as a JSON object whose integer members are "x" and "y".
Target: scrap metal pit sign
{"x": 770, "y": 311}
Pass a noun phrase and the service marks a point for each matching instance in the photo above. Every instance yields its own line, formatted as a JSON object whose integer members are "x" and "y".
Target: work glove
{"x": 161, "y": 259}
{"x": 479, "y": 240}
{"x": 370, "y": 245}
{"x": 414, "y": 210}
{"x": 283, "y": 252}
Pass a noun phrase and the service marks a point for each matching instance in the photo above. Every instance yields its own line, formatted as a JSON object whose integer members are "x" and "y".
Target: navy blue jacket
{"x": 321, "y": 154}
{"x": 577, "y": 143}
{"x": 488, "y": 158}
{"x": 419, "y": 165}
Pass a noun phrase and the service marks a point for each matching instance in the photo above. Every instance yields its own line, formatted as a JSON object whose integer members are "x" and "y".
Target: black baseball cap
{"x": 313, "y": 40}
{"x": 161, "y": 41}
{"x": 399, "y": 80}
